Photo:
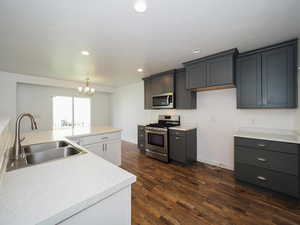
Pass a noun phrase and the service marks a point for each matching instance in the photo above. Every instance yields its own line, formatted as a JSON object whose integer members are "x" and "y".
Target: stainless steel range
{"x": 157, "y": 143}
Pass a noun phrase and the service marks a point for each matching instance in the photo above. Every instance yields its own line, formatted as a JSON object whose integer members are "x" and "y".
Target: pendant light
{"x": 87, "y": 90}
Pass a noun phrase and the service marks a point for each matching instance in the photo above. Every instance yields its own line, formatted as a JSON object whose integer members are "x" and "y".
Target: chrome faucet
{"x": 18, "y": 140}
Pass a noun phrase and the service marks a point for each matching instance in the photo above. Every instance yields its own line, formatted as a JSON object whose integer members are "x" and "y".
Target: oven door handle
{"x": 155, "y": 132}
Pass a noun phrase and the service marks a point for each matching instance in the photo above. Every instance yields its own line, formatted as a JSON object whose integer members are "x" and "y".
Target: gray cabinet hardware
{"x": 261, "y": 145}
{"x": 262, "y": 159}
{"x": 261, "y": 178}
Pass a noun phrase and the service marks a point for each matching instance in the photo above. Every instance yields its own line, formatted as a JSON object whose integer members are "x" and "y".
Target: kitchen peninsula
{"x": 83, "y": 189}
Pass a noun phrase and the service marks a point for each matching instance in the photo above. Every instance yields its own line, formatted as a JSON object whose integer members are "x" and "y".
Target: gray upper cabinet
{"x": 220, "y": 71}
{"x": 279, "y": 77}
{"x": 147, "y": 94}
{"x": 249, "y": 81}
{"x": 267, "y": 77}
{"x": 211, "y": 72}
{"x": 162, "y": 83}
{"x": 185, "y": 99}
{"x": 196, "y": 75}
{"x": 173, "y": 81}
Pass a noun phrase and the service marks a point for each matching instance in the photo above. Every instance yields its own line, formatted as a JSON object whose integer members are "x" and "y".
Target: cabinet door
{"x": 196, "y": 75}
{"x": 220, "y": 71}
{"x": 185, "y": 99}
{"x": 279, "y": 78}
{"x": 248, "y": 75}
{"x": 113, "y": 152}
{"x": 163, "y": 83}
{"x": 177, "y": 148}
{"x": 147, "y": 94}
{"x": 97, "y": 148}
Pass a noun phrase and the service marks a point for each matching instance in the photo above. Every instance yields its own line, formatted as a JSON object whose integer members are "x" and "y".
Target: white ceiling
{"x": 45, "y": 37}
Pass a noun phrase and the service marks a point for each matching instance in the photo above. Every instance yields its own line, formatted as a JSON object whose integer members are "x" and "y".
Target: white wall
{"x": 128, "y": 110}
{"x": 8, "y": 96}
{"x": 37, "y": 100}
{"x": 216, "y": 117}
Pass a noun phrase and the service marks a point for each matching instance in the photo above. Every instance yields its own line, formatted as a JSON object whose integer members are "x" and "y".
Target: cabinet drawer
{"x": 267, "y": 145}
{"x": 99, "y": 138}
{"x": 177, "y": 132}
{"x": 276, "y": 181}
{"x": 286, "y": 163}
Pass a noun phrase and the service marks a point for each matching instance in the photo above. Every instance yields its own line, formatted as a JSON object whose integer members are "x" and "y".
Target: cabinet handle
{"x": 104, "y": 138}
{"x": 262, "y": 159}
{"x": 261, "y": 145}
{"x": 106, "y": 147}
{"x": 261, "y": 178}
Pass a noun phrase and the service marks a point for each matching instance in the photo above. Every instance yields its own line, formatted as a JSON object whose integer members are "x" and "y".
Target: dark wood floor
{"x": 170, "y": 194}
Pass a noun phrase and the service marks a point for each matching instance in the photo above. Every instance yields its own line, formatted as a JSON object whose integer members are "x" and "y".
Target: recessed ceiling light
{"x": 140, "y": 6}
{"x": 196, "y": 51}
{"x": 85, "y": 53}
{"x": 140, "y": 70}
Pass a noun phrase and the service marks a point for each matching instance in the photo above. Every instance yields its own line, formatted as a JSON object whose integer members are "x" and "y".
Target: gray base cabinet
{"x": 183, "y": 146}
{"x": 268, "y": 164}
{"x": 267, "y": 77}
{"x": 141, "y": 137}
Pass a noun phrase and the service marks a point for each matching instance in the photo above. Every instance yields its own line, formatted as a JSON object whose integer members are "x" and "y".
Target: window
{"x": 71, "y": 112}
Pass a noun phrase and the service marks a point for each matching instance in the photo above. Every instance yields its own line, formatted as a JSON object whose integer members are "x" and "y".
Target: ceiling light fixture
{"x": 140, "y": 70}
{"x": 87, "y": 90}
{"x": 140, "y": 6}
{"x": 85, "y": 53}
{"x": 196, "y": 51}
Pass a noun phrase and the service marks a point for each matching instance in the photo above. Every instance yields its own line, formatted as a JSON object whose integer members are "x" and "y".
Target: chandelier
{"x": 87, "y": 90}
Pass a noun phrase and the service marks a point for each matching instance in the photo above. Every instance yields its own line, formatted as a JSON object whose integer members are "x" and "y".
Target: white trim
{"x": 216, "y": 163}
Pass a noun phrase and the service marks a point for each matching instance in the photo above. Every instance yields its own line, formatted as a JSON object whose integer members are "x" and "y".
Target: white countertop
{"x": 50, "y": 192}
{"x": 183, "y": 128}
{"x": 36, "y": 137}
{"x": 288, "y": 136}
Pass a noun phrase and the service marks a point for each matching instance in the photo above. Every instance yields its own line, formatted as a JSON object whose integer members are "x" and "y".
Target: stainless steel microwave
{"x": 163, "y": 101}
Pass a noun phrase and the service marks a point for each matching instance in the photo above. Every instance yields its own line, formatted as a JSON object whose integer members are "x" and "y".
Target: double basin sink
{"x": 41, "y": 153}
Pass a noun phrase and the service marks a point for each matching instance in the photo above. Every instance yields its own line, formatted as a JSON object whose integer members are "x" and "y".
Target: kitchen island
{"x": 83, "y": 189}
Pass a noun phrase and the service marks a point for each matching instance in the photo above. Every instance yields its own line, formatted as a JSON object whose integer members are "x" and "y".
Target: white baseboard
{"x": 216, "y": 163}
{"x": 210, "y": 162}
{"x": 130, "y": 139}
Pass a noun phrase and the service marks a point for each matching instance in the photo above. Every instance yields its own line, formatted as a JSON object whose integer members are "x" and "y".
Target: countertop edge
{"x": 55, "y": 219}
{"x": 183, "y": 128}
{"x": 266, "y": 138}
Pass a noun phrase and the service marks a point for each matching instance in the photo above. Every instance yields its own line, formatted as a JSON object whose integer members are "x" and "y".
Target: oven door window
{"x": 156, "y": 139}
{"x": 160, "y": 101}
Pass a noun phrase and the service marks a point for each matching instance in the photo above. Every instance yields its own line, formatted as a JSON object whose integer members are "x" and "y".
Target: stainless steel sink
{"x": 44, "y": 147}
{"x": 41, "y": 153}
